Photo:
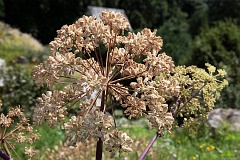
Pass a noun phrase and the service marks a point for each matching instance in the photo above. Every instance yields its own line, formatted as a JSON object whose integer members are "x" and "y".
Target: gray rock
{"x": 96, "y": 11}
{"x": 224, "y": 117}
{"x": 2, "y": 71}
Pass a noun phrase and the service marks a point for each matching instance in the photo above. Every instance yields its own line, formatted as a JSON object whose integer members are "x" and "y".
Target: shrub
{"x": 220, "y": 46}
{"x": 20, "y": 89}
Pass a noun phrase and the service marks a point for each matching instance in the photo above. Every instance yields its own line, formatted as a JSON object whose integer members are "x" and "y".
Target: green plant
{"x": 220, "y": 46}
{"x": 177, "y": 40}
{"x": 19, "y": 89}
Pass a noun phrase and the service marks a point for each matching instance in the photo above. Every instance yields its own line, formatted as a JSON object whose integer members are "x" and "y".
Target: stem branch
{"x": 144, "y": 153}
{"x": 4, "y": 156}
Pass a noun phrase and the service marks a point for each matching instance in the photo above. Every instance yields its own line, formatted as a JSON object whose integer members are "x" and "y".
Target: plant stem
{"x": 144, "y": 153}
{"x": 99, "y": 148}
{"x": 188, "y": 100}
{"x": 4, "y": 156}
{"x": 175, "y": 105}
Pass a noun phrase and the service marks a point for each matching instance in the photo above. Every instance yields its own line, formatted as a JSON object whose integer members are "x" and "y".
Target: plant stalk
{"x": 4, "y": 156}
{"x": 144, "y": 153}
{"x": 99, "y": 148}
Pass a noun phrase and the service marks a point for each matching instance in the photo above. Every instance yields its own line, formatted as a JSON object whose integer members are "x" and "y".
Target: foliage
{"x": 177, "y": 40}
{"x": 20, "y": 89}
{"x": 139, "y": 15}
{"x": 220, "y": 45}
{"x": 2, "y": 13}
{"x": 197, "y": 12}
{"x": 223, "y": 9}
{"x": 30, "y": 16}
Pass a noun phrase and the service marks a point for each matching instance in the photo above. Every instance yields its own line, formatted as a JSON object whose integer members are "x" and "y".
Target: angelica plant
{"x": 98, "y": 56}
{"x": 15, "y": 130}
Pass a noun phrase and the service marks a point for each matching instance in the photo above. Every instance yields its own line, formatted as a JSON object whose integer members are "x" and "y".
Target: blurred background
{"x": 194, "y": 32}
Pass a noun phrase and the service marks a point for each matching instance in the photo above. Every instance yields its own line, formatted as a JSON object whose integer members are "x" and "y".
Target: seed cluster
{"x": 91, "y": 56}
{"x": 15, "y": 129}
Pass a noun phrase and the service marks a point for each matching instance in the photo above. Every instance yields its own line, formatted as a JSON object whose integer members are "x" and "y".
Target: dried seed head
{"x": 16, "y": 130}
{"x": 89, "y": 81}
{"x": 118, "y": 141}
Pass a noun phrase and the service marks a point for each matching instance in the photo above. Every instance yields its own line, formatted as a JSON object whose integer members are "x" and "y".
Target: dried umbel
{"x": 15, "y": 129}
{"x": 65, "y": 152}
{"x": 91, "y": 60}
{"x": 118, "y": 142}
{"x": 90, "y": 56}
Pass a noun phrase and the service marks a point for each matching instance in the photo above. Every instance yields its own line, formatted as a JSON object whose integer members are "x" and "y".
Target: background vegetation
{"x": 194, "y": 31}
{"x": 181, "y": 145}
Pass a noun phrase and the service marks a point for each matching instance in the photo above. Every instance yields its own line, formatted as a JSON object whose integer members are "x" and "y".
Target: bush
{"x": 220, "y": 46}
{"x": 20, "y": 89}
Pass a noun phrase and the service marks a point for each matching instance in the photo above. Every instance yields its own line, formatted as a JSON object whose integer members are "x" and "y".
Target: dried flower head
{"x": 118, "y": 141}
{"x": 91, "y": 56}
{"x": 15, "y": 129}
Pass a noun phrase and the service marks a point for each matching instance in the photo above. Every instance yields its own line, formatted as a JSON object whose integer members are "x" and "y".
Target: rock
{"x": 22, "y": 60}
{"x": 224, "y": 117}
{"x": 2, "y": 70}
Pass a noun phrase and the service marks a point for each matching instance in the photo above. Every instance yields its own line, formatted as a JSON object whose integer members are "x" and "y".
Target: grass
{"x": 48, "y": 139}
{"x": 180, "y": 145}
